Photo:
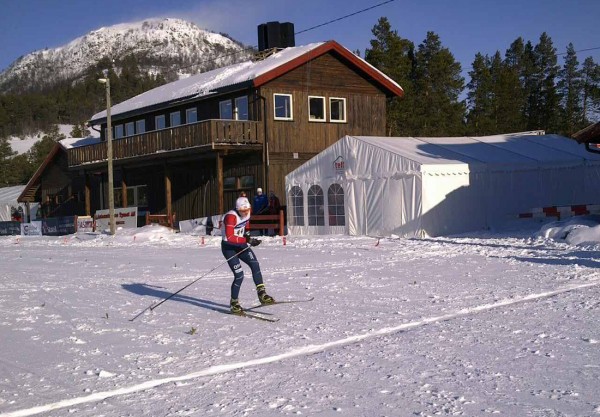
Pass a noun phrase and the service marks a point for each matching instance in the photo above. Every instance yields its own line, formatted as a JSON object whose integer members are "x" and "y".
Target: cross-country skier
{"x": 235, "y": 240}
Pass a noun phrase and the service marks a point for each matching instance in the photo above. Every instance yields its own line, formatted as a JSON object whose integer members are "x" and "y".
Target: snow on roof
{"x": 201, "y": 85}
{"x": 9, "y": 195}
{"x": 76, "y": 142}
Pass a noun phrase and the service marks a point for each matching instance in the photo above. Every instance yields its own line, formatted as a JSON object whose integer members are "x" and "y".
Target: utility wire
{"x": 299, "y": 32}
{"x": 345, "y": 17}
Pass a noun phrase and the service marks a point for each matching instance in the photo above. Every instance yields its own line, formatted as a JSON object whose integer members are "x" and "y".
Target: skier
{"x": 234, "y": 243}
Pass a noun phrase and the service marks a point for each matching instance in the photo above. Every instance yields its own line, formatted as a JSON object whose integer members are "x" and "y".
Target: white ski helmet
{"x": 242, "y": 203}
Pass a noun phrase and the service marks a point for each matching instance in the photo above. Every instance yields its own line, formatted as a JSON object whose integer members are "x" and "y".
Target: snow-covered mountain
{"x": 169, "y": 46}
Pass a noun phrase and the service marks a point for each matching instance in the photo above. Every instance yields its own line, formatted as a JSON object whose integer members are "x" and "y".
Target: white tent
{"x": 436, "y": 186}
{"x": 8, "y": 201}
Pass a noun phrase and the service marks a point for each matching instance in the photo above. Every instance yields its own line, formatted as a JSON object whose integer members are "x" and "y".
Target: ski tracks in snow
{"x": 300, "y": 351}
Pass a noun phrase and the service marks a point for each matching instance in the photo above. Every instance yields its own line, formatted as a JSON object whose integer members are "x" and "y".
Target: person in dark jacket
{"x": 274, "y": 204}
{"x": 261, "y": 202}
{"x": 236, "y": 245}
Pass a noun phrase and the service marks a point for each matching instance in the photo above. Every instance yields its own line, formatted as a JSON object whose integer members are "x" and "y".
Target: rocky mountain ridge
{"x": 170, "y": 47}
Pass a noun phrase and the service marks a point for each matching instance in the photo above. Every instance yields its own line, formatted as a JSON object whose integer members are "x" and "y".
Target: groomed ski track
{"x": 301, "y": 351}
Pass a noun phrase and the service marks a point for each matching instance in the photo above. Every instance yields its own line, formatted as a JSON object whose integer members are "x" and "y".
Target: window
{"x": 175, "y": 118}
{"x": 225, "y": 110}
{"x": 241, "y": 108}
{"x": 315, "y": 206}
{"x": 159, "y": 122}
{"x": 130, "y": 129}
{"x": 247, "y": 181}
{"x": 140, "y": 126}
{"x": 136, "y": 196}
{"x": 316, "y": 109}
{"x": 337, "y": 110}
{"x": 119, "y": 131}
{"x": 229, "y": 183}
{"x": 283, "y": 107}
{"x": 191, "y": 115}
{"x": 297, "y": 205}
{"x": 335, "y": 205}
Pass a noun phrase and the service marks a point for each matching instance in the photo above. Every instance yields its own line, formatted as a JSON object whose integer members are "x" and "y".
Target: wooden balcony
{"x": 207, "y": 134}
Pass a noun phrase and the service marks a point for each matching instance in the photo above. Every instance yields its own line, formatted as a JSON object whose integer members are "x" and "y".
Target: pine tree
{"x": 40, "y": 150}
{"x": 438, "y": 84}
{"x": 546, "y": 106}
{"x": 591, "y": 90}
{"x": 571, "y": 91}
{"x": 394, "y": 56}
{"x": 480, "y": 98}
{"x": 6, "y": 153}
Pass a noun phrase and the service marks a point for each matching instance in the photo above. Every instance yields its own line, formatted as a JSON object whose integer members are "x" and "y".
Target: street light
{"x": 109, "y": 156}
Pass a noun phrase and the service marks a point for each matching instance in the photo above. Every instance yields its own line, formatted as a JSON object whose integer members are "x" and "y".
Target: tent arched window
{"x": 316, "y": 206}
{"x": 297, "y": 204}
{"x": 335, "y": 205}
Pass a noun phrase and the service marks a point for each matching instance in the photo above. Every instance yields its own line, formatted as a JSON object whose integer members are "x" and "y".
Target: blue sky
{"x": 465, "y": 26}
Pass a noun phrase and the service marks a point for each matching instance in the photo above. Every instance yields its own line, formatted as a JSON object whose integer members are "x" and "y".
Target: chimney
{"x": 275, "y": 35}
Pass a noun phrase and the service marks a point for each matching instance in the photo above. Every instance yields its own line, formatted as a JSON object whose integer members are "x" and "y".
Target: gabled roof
{"x": 244, "y": 75}
{"x": 28, "y": 193}
{"x": 590, "y": 134}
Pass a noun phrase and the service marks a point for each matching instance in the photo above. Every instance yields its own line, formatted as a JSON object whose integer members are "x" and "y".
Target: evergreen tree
{"x": 40, "y": 150}
{"x": 570, "y": 89}
{"x": 546, "y": 105}
{"x": 506, "y": 91}
{"x": 590, "y": 90}
{"x": 480, "y": 98}
{"x": 6, "y": 153}
{"x": 438, "y": 84}
{"x": 394, "y": 56}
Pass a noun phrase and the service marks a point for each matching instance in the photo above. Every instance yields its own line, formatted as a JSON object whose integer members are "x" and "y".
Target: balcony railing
{"x": 208, "y": 132}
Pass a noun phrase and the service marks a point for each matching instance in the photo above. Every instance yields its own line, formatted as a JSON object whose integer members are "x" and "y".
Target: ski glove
{"x": 254, "y": 242}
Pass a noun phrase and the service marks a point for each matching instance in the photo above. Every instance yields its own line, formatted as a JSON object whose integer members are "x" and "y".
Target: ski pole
{"x": 152, "y": 306}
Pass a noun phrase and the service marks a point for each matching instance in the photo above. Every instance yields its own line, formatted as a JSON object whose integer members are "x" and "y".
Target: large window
{"x": 119, "y": 131}
{"x": 191, "y": 115}
{"x": 175, "y": 118}
{"x": 335, "y": 205}
{"x": 140, "y": 126}
{"x": 337, "y": 110}
{"x": 225, "y": 110}
{"x": 159, "y": 122}
{"x": 297, "y": 204}
{"x": 283, "y": 107}
{"x": 136, "y": 196}
{"x": 130, "y": 129}
{"x": 316, "y": 206}
{"x": 241, "y": 108}
{"x": 316, "y": 109}
{"x": 241, "y": 183}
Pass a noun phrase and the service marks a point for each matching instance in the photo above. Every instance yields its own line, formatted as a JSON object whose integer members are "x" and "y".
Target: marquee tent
{"x": 8, "y": 201}
{"x": 436, "y": 186}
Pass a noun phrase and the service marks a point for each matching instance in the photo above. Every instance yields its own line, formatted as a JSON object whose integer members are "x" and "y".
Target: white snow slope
{"x": 500, "y": 324}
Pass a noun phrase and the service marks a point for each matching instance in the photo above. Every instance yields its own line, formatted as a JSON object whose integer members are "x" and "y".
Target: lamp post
{"x": 109, "y": 157}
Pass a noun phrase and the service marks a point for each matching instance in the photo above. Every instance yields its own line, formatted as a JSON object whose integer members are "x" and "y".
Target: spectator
{"x": 274, "y": 204}
{"x": 261, "y": 202}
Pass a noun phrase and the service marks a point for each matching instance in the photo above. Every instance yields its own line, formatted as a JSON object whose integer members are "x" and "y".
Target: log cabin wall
{"x": 291, "y": 143}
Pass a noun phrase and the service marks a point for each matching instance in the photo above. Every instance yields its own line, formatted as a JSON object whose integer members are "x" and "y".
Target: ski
{"x": 300, "y": 300}
{"x": 255, "y": 316}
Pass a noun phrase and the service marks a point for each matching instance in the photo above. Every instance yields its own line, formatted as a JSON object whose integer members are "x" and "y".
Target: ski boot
{"x": 263, "y": 297}
{"x": 235, "y": 307}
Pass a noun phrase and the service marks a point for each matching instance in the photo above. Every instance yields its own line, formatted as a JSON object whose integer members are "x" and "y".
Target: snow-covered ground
{"x": 489, "y": 324}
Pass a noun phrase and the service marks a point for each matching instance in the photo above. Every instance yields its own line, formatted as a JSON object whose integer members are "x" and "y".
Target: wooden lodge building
{"x": 192, "y": 146}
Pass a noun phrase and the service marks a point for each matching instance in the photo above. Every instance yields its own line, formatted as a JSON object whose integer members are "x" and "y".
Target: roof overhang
{"x": 28, "y": 194}
{"x": 590, "y": 136}
{"x": 392, "y": 88}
